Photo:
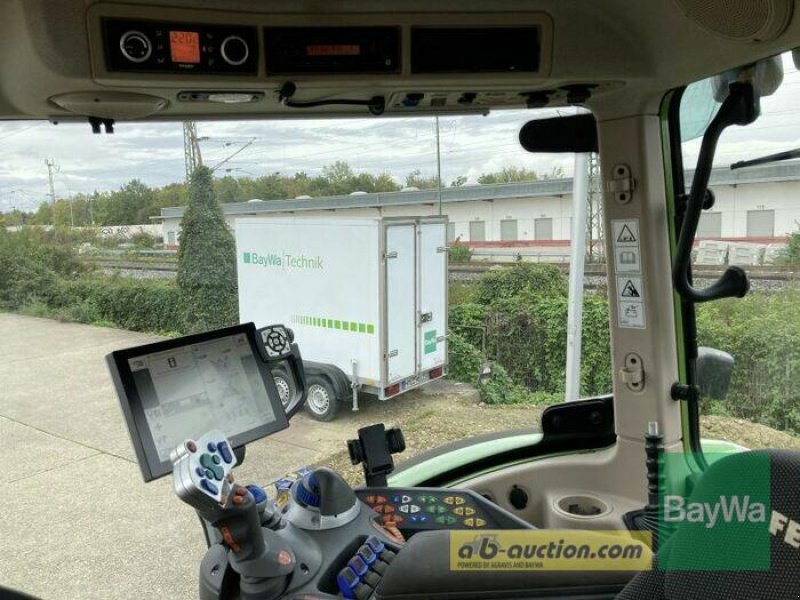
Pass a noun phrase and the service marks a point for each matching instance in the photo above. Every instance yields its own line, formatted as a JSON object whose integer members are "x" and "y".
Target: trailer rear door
{"x": 432, "y": 317}
{"x": 401, "y": 291}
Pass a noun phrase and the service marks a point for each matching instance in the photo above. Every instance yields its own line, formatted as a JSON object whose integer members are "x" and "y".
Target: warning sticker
{"x": 630, "y": 290}
{"x": 626, "y": 232}
{"x": 628, "y": 266}
{"x": 627, "y": 259}
{"x": 630, "y": 302}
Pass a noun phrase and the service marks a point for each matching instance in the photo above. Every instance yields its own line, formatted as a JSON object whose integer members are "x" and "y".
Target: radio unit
{"x": 149, "y": 46}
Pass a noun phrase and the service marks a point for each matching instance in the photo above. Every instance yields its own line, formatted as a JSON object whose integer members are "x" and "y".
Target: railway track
{"x": 595, "y": 275}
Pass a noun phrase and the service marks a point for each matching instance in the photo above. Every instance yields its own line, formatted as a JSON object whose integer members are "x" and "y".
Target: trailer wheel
{"x": 321, "y": 401}
{"x": 285, "y": 385}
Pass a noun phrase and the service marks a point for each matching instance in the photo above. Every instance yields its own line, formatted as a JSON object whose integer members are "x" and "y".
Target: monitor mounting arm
{"x": 741, "y": 107}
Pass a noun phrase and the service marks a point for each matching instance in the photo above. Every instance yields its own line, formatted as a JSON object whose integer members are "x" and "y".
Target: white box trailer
{"x": 366, "y": 298}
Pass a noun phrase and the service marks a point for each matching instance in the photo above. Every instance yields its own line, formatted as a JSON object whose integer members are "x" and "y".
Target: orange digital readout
{"x": 184, "y": 46}
{"x": 333, "y": 50}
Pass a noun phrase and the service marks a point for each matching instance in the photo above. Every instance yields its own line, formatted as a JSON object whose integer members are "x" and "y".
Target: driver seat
{"x": 733, "y": 475}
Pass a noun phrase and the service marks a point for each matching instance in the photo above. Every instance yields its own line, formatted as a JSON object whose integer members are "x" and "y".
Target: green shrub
{"x": 31, "y": 263}
{"x": 523, "y": 280}
{"x": 459, "y": 253}
{"x": 206, "y": 260}
{"x": 762, "y": 333}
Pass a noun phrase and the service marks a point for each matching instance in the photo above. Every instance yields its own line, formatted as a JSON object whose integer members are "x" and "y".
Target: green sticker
{"x": 430, "y": 341}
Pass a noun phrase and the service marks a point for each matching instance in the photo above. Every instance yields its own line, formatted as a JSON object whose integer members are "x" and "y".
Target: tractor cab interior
{"x": 618, "y": 71}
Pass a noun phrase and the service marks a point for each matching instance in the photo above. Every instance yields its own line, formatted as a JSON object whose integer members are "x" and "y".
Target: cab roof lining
{"x": 639, "y": 50}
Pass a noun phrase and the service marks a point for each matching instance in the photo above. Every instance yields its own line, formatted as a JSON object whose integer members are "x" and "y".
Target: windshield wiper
{"x": 770, "y": 158}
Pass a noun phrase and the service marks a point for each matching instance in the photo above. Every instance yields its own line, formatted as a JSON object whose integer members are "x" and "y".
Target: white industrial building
{"x": 760, "y": 204}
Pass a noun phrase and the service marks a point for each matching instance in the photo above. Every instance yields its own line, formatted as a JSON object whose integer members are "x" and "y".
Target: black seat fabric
{"x": 730, "y": 476}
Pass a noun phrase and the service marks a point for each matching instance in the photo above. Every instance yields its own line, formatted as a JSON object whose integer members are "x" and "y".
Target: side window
{"x": 749, "y": 366}
{"x": 451, "y": 232}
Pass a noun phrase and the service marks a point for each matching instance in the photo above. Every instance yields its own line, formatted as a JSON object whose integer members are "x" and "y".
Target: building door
{"x": 508, "y": 230}
{"x": 760, "y": 223}
{"x": 710, "y": 225}
{"x": 477, "y": 231}
{"x": 543, "y": 229}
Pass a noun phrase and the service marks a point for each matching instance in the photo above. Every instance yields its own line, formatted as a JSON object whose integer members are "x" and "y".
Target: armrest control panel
{"x": 426, "y": 509}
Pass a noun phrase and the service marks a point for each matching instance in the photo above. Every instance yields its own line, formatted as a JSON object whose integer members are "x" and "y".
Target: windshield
{"x": 749, "y": 389}
{"x": 105, "y": 244}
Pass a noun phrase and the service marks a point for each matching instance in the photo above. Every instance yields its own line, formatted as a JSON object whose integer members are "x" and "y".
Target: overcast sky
{"x": 470, "y": 145}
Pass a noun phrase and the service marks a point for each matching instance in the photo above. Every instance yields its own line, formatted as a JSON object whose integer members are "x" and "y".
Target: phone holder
{"x": 373, "y": 449}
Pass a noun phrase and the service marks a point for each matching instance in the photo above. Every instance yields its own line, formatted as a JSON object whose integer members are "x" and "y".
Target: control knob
{"x": 235, "y": 50}
{"x": 135, "y": 46}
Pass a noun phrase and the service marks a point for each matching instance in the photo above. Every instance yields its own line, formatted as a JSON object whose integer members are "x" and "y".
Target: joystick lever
{"x": 203, "y": 478}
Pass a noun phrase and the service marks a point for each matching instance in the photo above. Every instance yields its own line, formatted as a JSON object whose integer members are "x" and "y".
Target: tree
{"x": 509, "y": 175}
{"x": 459, "y": 181}
{"x": 418, "y": 180}
{"x": 206, "y": 260}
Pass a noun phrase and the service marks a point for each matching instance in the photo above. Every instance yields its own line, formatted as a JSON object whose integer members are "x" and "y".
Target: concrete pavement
{"x": 77, "y": 520}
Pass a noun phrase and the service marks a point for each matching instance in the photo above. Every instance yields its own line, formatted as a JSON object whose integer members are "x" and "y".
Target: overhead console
{"x": 184, "y": 62}
{"x": 268, "y": 46}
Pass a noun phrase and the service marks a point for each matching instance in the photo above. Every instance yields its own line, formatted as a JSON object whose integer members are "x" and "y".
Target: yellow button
{"x": 469, "y": 522}
{"x": 479, "y": 522}
{"x": 449, "y": 500}
{"x": 459, "y": 510}
{"x": 460, "y": 500}
{"x": 467, "y": 511}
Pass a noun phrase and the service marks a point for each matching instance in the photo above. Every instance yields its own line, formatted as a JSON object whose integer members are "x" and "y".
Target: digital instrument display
{"x": 179, "y": 389}
{"x": 333, "y": 50}
{"x": 184, "y": 47}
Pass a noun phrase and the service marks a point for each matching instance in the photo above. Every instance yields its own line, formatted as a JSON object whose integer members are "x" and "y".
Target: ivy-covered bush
{"x": 523, "y": 280}
{"x": 762, "y": 333}
{"x": 31, "y": 264}
{"x": 206, "y": 260}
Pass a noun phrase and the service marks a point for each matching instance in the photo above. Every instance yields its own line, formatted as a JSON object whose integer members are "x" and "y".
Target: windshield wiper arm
{"x": 770, "y": 158}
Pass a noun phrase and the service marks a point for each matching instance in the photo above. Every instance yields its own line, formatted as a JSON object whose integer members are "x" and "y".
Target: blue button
{"x": 209, "y": 487}
{"x": 201, "y": 472}
{"x": 397, "y": 499}
{"x": 259, "y": 495}
{"x": 347, "y": 581}
{"x": 358, "y": 565}
{"x": 367, "y": 554}
{"x": 423, "y": 518}
{"x": 225, "y": 451}
{"x": 376, "y": 545}
{"x": 212, "y": 447}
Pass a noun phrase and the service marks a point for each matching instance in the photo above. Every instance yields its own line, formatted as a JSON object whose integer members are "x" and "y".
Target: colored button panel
{"x": 207, "y": 461}
{"x": 225, "y": 451}
{"x": 209, "y": 487}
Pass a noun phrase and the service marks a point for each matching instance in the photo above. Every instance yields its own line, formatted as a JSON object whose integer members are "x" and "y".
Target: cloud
{"x": 470, "y": 145}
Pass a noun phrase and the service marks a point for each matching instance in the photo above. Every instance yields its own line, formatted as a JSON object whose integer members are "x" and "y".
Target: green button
{"x": 207, "y": 462}
{"x": 216, "y": 459}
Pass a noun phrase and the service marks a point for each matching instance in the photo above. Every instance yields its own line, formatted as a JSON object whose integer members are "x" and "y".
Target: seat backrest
{"x": 754, "y": 558}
